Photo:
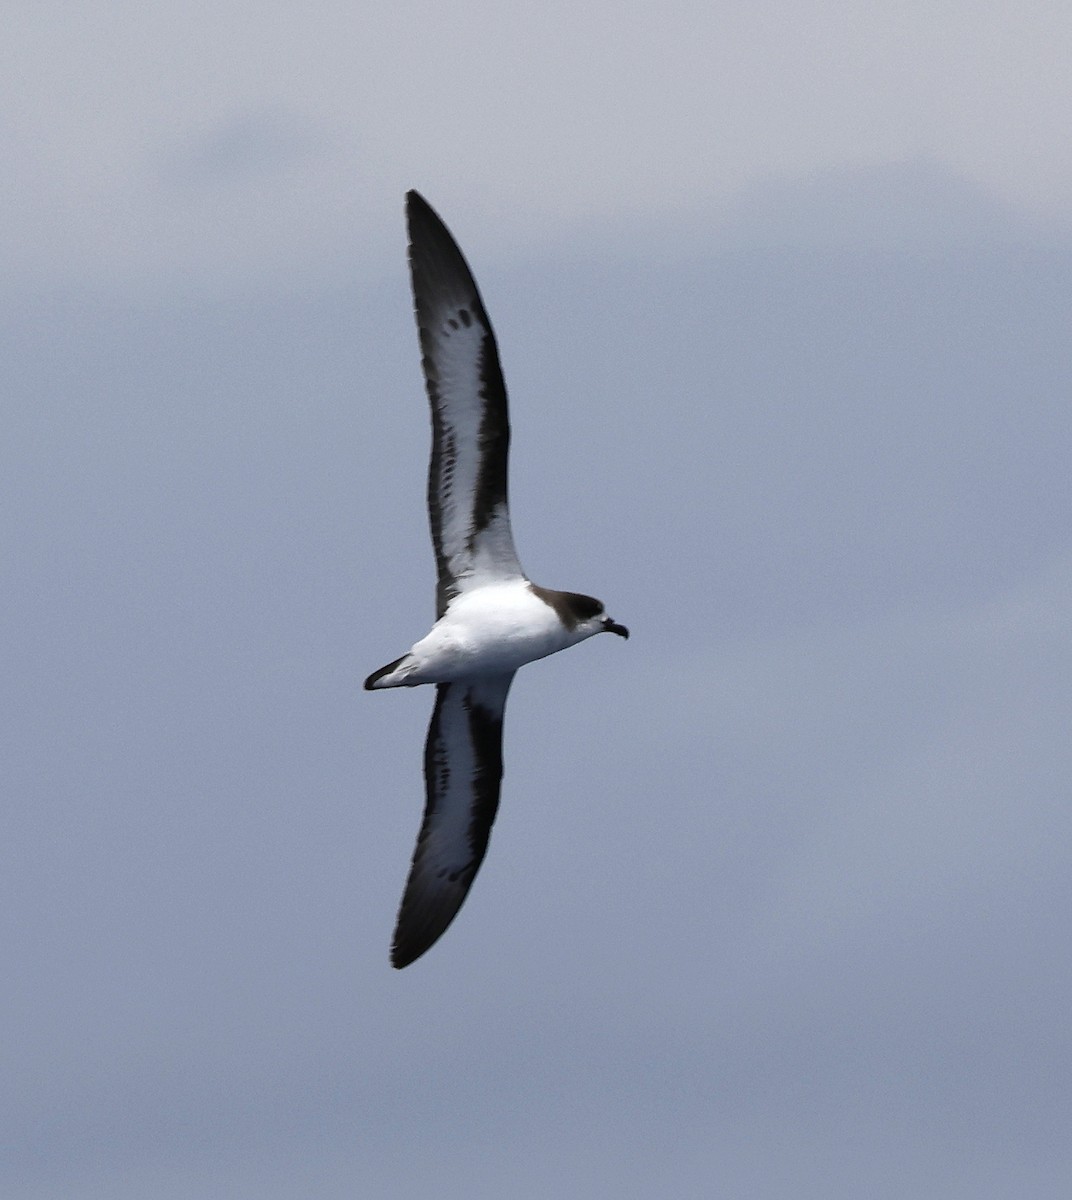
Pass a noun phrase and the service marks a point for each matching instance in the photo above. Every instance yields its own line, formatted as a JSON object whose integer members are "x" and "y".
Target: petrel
{"x": 491, "y": 619}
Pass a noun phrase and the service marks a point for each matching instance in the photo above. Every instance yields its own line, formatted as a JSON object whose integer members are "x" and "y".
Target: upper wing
{"x": 462, "y": 774}
{"x": 470, "y": 428}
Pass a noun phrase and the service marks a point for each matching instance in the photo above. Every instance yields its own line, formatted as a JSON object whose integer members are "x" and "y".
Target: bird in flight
{"x": 490, "y": 618}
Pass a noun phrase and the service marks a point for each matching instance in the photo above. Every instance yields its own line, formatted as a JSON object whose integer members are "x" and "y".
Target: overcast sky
{"x": 778, "y": 898}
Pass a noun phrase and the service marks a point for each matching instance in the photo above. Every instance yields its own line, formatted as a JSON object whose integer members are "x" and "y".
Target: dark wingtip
{"x": 418, "y": 209}
{"x": 411, "y": 939}
{"x": 402, "y": 959}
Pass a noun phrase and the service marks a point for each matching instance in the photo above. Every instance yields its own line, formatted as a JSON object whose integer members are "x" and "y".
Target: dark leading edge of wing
{"x": 467, "y": 475}
{"x": 462, "y": 777}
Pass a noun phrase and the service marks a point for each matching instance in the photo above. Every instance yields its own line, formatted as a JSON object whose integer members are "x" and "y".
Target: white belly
{"x": 490, "y": 631}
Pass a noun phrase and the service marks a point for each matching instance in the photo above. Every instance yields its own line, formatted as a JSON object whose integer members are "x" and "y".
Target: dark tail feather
{"x": 372, "y": 680}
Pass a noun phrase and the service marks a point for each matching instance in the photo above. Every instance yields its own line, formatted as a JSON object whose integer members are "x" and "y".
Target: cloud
{"x": 685, "y": 110}
{"x": 245, "y": 148}
{"x": 914, "y": 204}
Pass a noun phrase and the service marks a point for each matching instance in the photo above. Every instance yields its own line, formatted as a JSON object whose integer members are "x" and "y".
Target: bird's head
{"x": 588, "y": 616}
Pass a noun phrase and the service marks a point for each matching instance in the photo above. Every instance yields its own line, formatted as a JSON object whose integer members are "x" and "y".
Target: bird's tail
{"x": 386, "y": 677}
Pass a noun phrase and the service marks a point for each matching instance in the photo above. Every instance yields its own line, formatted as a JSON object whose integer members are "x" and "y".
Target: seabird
{"x": 491, "y": 619}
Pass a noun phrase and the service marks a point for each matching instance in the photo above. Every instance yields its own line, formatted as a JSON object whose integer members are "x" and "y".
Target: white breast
{"x": 490, "y": 631}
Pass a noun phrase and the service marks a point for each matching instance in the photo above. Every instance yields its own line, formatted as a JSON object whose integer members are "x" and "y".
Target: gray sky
{"x": 777, "y": 902}
{"x": 226, "y": 141}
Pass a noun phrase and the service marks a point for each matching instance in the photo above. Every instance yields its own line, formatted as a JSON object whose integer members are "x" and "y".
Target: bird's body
{"x": 490, "y": 630}
{"x": 491, "y": 618}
